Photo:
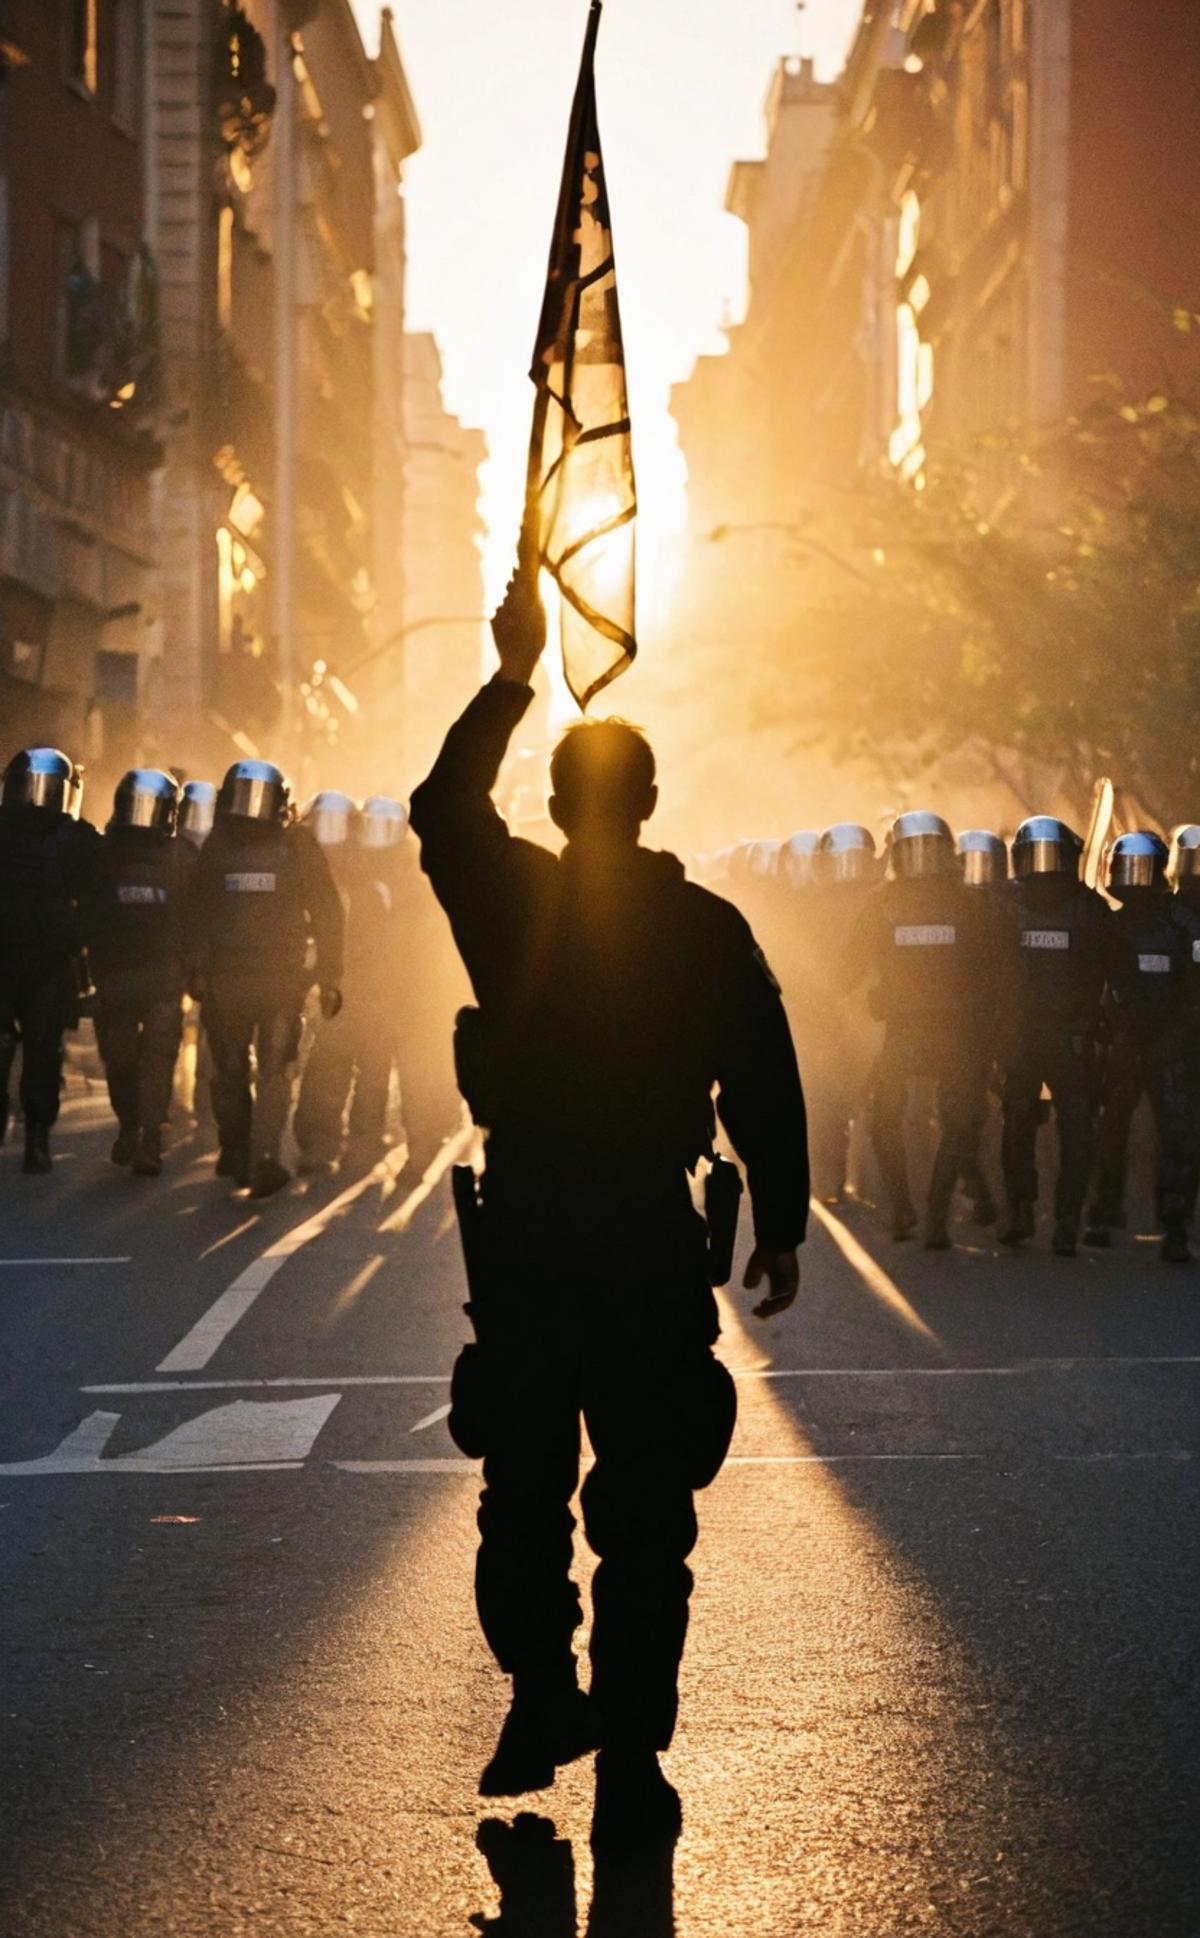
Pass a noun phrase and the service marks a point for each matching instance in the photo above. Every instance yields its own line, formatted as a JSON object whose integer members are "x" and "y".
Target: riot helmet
{"x": 845, "y": 853}
{"x": 1044, "y": 845}
{"x": 197, "y": 809}
{"x": 763, "y": 859}
{"x": 797, "y": 858}
{"x": 1185, "y": 858}
{"x": 1137, "y": 860}
{"x": 920, "y": 845}
{"x": 383, "y": 822}
{"x": 146, "y": 798}
{"x": 43, "y": 777}
{"x": 984, "y": 857}
{"x": 330, "y": 817}
{"x": 254, "y": 790}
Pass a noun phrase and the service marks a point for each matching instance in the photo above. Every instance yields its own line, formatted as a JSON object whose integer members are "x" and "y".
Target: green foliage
{"x": 1041, "y": 604}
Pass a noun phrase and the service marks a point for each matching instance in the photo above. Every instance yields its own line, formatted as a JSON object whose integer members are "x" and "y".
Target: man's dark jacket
{"x": 613, "y": 995}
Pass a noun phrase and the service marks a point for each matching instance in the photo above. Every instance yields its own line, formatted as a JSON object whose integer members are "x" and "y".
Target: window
{"x": 127, "y": 65}
{"x": 83, "y": 44}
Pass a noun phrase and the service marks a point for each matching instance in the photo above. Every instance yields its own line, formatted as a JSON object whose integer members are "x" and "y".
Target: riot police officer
{"x": 197, "y": 811}
{"x": 929, "y": 946}
{"x": 1184, "y": 870}
{"x": 984, "y": 860}
{"x": 1063, "y": 941}
{"x": 140, "y": 927}
{"x": 264, "y": 888}
{"x": 613, "y": 995}
{"x": 47, "y": 859}
{"x": 834, "y": 1039}
{"x": 1153, "y": 1050}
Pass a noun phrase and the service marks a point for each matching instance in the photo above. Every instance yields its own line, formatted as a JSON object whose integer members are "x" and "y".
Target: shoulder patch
{"x": 761, "y": 959}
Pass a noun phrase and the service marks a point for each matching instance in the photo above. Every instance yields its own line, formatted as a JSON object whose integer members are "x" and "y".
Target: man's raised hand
{"x": 519, "y": 625}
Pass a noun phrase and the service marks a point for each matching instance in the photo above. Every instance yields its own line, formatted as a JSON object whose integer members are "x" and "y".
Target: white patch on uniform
{"x": 1154, "y": 965}
{"x": 250, "y": 884}
{"x": 768, "y": 972}
{"x": 1046, "y": 939}
{"x": 1196, "y": 952}
{"x": 134, "y": 895}
{"x": 926, "y": 935}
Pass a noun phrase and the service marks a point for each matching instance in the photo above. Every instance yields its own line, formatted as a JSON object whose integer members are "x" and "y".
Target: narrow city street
{"x": 937, "y": 1676}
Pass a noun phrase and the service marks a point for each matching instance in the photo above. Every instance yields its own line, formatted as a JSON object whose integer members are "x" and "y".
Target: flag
{"x": 582, "y": 500}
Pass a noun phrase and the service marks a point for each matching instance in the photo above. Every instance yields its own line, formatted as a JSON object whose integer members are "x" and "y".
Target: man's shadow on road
{"x": 534, "y": 1871}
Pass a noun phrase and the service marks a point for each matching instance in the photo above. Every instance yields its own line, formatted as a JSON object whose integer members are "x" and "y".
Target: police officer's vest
{"x": 39, "y": 868}
{"x": 1061, "y": 953}
{"x": 254, "y": 904}
{"x": 930, "y": 952}
{"x": 139, "y": 916}
{"x": 1151, "y": 965}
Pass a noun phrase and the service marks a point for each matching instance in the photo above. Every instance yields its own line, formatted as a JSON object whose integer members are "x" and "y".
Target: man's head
{"x": 602, "y": 781}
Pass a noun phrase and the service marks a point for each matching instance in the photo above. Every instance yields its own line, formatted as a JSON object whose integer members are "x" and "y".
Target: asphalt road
{"x": 940, "y": 1677}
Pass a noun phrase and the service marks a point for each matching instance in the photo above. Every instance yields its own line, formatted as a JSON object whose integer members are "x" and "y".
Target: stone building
{"x": 78, "y": 380}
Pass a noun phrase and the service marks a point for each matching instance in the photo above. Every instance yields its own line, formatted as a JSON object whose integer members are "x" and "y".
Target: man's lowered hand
{"x": 782, "y": 1273}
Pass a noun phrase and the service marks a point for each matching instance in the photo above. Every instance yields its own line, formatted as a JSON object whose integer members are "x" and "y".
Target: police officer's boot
{"x": 37, "y": 1149}
{"x": 147, "y": 1162}
{"x": 636, "y": 1808}
{"x": 268, "y": 1176}
{"x": 1021, "y": 1224}
{"x": 1175, "y": 1248}
{"x": 1065, "y": 1242}
{"x": 124, "y": 1147}
{"x": 233, "y": 1162}
{"x": 550, "y": 1723}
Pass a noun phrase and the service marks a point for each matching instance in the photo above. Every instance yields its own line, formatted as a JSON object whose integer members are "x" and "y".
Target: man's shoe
{"x": 37, "y": 1151}
{"x": 538, "y": 1738}
{"x": 233, "y": 1162}
{"x": 124, "y": 1147}
{"x": 1065, "y": 1242}
{"x": 937, "y": 1236}
{"x": 1098, "y": 1236}
{"x": 148, "y": 1162}
{"x": 904, "y": 1223}
{"x": 1021, "y": 1225}
{"x": 268, "y": 1177}
{"x": 1175, "y": 1248}
{"x": 636, "y": 1808}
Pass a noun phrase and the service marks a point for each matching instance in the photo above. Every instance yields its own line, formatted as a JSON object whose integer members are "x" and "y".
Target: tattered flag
{"x": 582, "y": 500}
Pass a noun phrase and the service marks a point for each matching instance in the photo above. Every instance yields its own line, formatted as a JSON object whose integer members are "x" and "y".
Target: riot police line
{"x": 221, "y": 910}
{"x": 1012, "y": 988}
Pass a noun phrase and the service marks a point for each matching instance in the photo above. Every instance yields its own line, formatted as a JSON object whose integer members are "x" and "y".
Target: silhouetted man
{"x": 613, "y": 995}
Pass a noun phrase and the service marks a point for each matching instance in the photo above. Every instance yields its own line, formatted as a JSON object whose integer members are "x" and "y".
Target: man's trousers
{"x": 138, "y": 1035}
{"x": 1065, "y": 1063}
{"x": 250, "y": 1123}
{"x": 1169, "y": 1077}
{"x": 35, "y": 1000}
{"x": 627, "y": 1349}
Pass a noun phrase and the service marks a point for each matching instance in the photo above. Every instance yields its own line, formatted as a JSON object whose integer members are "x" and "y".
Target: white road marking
{"x": 126, "y": 1259}
{"x": 1022, "y": 1369}
{"x": 872, "y": 1275}
{"x": 431, "y": 1419}
{"x": 210, "y": 1331}
{"x": 247, "y": 1436}
{"x": 260, "y": 1385}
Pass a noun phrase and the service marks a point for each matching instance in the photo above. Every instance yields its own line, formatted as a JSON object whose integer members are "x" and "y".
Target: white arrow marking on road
{"x": 260, "y": 1436}
{"x": 431, "y": 1419}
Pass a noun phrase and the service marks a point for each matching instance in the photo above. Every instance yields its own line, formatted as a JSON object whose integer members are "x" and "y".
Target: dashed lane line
{"x": 202, "y": 1341}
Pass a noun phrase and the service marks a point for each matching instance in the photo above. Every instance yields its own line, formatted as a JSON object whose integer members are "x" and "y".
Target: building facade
{"x": 79, "y": 623}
